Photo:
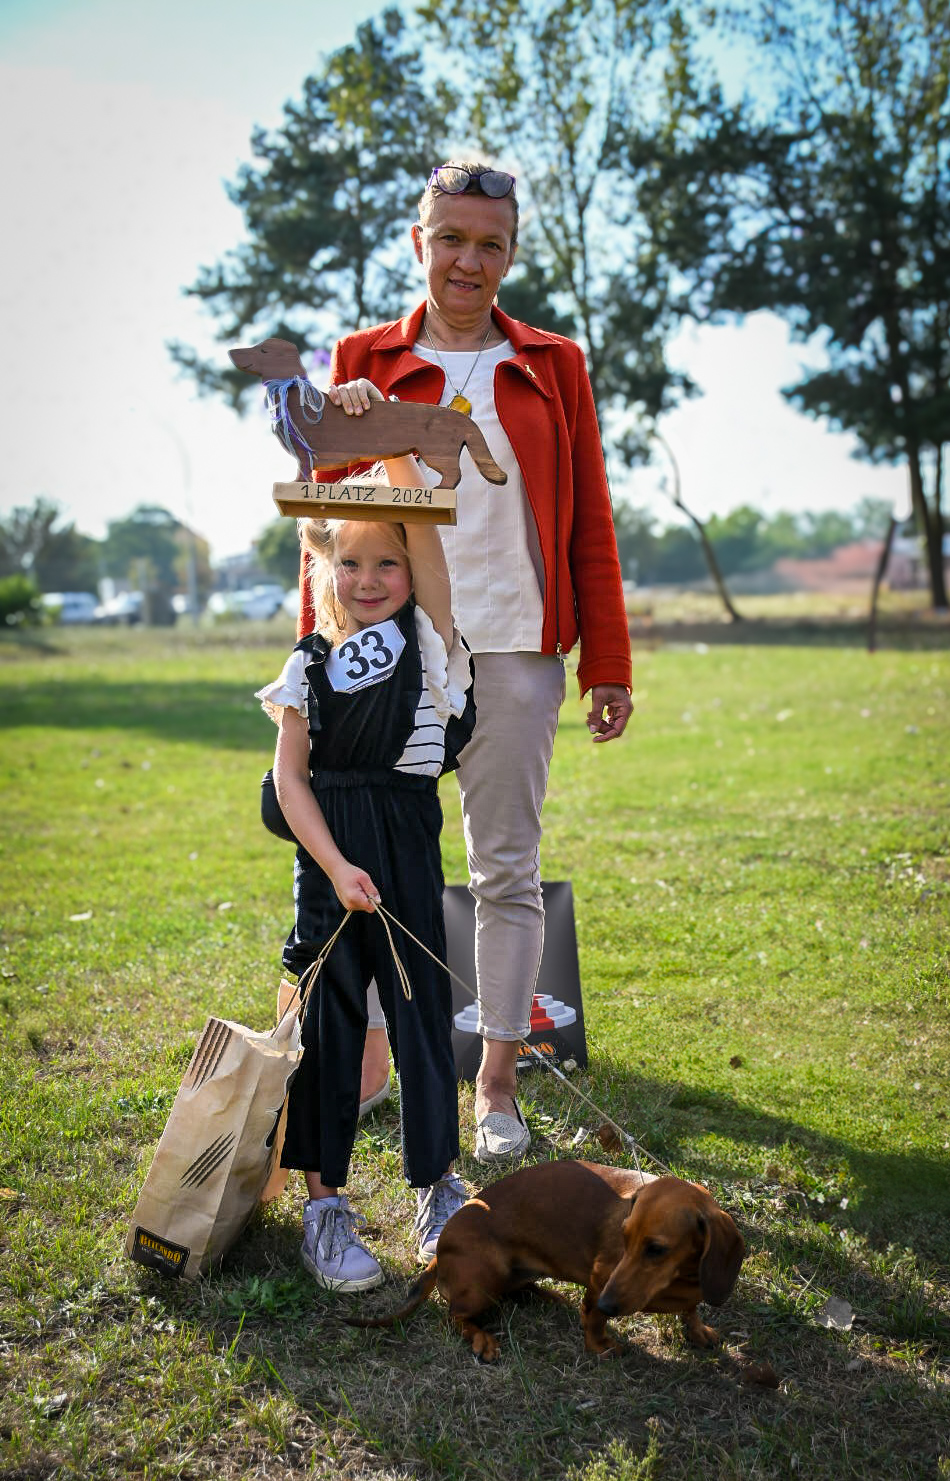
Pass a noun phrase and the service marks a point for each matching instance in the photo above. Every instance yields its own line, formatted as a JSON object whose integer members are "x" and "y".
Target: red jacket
{"x": 545, "y": 404}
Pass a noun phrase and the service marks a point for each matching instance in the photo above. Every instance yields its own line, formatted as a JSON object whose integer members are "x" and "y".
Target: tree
{"x": 326, "y": 202}
{"x": 147, "y": 534}
{"x": 152, "y": 551}
{"x": 834, "y": 211}
{"x": 56, "y": 559}
{"x": 565, "y": 87}
{"x": 278, "y": 550}
{"x": 555, "y": 84}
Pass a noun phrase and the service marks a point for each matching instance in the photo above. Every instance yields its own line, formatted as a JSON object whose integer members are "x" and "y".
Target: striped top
{"x": 446, "y": 677}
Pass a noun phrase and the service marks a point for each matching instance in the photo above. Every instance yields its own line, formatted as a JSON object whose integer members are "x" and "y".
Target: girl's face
{"x": 371, "y": 575}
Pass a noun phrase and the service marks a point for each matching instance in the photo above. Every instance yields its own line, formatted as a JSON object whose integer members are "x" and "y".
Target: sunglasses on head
{"x": 453, "y": 180}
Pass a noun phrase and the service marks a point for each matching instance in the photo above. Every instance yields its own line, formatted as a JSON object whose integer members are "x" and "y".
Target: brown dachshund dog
{"x": 389, "y": 429}
{"x": 635, "y": 1242}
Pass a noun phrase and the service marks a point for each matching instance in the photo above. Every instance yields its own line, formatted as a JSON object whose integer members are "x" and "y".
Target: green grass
{"x": 761, "y": 873}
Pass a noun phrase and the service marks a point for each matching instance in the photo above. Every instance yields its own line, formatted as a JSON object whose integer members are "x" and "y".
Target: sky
{"x": 121, "y": 125}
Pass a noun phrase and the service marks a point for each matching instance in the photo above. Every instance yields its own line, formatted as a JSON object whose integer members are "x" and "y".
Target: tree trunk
{"x": 700, "y": 528}
{"x": 878, "y": 578}
{"x": 931, "y": 526}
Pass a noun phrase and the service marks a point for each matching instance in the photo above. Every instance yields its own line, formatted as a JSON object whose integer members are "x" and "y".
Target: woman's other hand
{"x": 610, "y": 709}
{"x": 355, "y": 396}
{"x": 354, "y": 888}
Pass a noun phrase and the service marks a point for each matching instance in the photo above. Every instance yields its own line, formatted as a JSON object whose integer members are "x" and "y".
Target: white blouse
{"x": 446, "y": 678}
{"x": 496, "y": 584}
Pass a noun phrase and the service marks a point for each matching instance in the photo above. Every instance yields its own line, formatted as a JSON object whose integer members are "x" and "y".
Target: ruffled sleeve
{"x": 290, "y": 692}
{"x": 448, "y": 674}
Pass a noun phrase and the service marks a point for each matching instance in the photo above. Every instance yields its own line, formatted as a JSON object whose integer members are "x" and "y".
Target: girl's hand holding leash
{"x": 354, "y": 888}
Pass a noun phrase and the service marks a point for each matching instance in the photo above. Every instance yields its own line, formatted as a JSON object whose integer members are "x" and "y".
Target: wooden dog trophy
{"x": 319, "y": 434}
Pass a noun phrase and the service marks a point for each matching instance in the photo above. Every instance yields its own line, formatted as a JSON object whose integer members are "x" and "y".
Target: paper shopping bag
{"x": 218, "y": 1147}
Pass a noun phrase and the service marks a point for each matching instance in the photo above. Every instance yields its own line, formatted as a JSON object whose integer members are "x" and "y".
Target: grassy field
{"x": 761, "y": 874}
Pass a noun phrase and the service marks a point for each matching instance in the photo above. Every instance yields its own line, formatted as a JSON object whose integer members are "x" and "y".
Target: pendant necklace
{"x": 460, "y": 401}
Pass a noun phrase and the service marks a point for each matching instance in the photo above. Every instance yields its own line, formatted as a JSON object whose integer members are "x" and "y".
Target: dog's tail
{"x": 474, "y": 440}
{"x": 418, "y": 1293}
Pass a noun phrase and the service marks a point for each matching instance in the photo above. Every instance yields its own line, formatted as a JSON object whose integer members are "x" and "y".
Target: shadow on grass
{"x": 546, "y": 1404}
{"x": 899, "y": 1190}
{"x": 863, "y": 1402}
{"x": 194, "y": 711}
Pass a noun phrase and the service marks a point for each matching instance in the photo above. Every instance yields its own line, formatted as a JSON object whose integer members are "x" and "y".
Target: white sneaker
{"x": 331, "y": 1251}
{"x": 435, "y": 1206}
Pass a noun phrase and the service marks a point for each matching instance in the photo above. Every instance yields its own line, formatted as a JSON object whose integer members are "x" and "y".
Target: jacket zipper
{"x": 557, "y": 544}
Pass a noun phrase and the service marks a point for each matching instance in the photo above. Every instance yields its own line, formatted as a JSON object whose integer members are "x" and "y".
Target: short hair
{"x": 474, "y": 187}
{"x": 320, "y": 538}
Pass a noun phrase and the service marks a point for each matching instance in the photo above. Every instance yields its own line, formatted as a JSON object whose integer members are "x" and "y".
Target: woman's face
{"x": 466, "y": 250}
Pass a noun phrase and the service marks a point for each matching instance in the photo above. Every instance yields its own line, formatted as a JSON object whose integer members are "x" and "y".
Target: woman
{"x": 534, "y": 567}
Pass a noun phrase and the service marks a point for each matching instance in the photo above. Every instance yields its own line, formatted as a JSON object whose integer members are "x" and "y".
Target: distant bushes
{"x": 20, "y": 604}
{"x": 745, "y": 540}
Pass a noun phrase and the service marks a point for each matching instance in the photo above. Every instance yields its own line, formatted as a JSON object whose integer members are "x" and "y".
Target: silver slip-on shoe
{"x": 376, "y": 1100}
{"x": 499, "y": 1137}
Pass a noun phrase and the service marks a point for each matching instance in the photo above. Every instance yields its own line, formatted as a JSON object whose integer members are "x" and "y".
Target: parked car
{"x": 122, "y": 610}
{"x": 263, "y": 602}
{"x": 257, "y": 604}
{"x": 291, "y": 602}
{"x": 70, "y": 607}
{"x": 182, "y": 605}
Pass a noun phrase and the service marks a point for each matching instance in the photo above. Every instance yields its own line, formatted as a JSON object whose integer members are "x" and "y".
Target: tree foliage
{"x": 555, "y": 86}
{"x": 831, "y": 206}
{"x": 36, "y": 542}
{"x": 144, "y": 548}
{"x": 746, "y": 540}
{"x": 20, "y": 604}
{"x": 278, "y": 550}
{"x": 822, "y": 196}
{"x": 325, "y": 202}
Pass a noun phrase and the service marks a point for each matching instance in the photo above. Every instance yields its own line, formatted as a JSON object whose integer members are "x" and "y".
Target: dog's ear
{"x": 722, "y": 1255}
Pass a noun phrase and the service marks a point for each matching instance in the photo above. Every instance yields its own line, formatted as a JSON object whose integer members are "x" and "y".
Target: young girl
{"x": 372, "y": 707}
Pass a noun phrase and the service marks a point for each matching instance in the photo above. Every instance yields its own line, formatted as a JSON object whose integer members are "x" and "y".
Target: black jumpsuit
{"x": 387, "y": 822}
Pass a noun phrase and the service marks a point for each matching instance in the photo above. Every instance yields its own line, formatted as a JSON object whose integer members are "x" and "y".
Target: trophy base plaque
{"x": 410, "y": 504}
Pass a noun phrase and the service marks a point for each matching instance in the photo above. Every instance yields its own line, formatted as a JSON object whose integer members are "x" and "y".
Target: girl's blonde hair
{"x": 320, "y": 539}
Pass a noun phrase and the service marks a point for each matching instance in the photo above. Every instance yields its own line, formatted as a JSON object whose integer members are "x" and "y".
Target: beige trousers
{"x": 503, "y": 778}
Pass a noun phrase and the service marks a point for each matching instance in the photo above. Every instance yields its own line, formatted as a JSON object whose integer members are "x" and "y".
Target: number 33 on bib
{"x": 368, "y": 657}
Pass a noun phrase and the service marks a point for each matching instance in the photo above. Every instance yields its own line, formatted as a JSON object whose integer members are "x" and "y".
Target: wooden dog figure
{"x": 322, "y": 435}
{"x": 635, "y": 1242}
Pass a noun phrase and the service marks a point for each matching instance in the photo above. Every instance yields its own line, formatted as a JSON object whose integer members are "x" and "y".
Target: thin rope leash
{"x": 310, "y": 974}
{"x": 574, "y": 1089}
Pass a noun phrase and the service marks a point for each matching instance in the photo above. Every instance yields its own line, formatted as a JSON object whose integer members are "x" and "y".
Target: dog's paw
{"x": 485, "y": 1347}
{"x": 699, "y": 1334}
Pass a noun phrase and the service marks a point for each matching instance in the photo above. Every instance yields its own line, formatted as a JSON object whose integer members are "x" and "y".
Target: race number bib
{"x": 367, "y": 658}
